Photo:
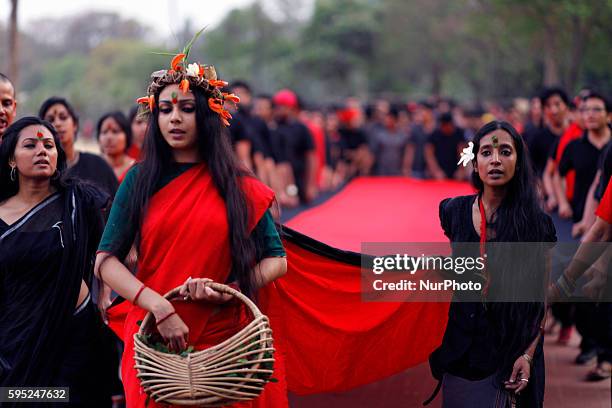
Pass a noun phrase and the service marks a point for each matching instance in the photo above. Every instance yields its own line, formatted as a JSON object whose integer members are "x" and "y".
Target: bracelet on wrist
{"x": 565, "y": 286}
{"x": 163, "y": 319}
{"x": 135, "y": 301}
{"x": 528, "y": 358}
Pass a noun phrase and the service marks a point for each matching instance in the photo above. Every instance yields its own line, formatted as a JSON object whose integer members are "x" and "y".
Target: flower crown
{"x": 187, "y": 76}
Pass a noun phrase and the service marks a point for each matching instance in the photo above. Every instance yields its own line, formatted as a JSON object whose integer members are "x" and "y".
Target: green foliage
{"x": 472, "y": 50}
{"x": 338, "y": 45}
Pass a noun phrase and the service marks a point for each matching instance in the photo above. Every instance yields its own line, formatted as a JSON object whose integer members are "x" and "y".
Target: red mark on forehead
{"x": 174, "y": 98}
{"x": 39, "y": 134}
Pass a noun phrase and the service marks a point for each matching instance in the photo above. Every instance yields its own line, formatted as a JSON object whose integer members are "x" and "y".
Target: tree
{"x": 561, "y": 34}
{"x": 338, "y": 46}
{"x": 249, "y": 45}
{"x": 13, "y": 43}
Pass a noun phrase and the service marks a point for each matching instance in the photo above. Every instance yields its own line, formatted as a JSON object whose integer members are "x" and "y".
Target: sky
{"x": 164, "y": 16}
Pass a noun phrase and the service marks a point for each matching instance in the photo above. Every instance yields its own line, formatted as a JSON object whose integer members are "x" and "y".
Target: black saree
{"x": 45, "y": 340}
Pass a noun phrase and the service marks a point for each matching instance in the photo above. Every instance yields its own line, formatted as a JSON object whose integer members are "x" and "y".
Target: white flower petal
{"x": 193, "y": 70}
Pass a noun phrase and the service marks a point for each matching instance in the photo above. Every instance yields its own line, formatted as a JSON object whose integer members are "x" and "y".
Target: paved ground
{"x": 565, "y": 386}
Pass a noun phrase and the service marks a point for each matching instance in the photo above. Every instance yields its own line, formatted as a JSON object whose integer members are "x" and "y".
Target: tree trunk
{"x": 551, "y": 64}
{"x": 436, "y": 79}
{"x": 582, "y": 32}
{"x": 13, "y": 43}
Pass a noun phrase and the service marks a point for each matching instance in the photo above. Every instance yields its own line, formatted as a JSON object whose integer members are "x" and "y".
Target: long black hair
{"x": 123, "y": 123}
{"x": 519, "y": 218}
{"x": 8, "y": 187}
{"x": 215, "y": 150}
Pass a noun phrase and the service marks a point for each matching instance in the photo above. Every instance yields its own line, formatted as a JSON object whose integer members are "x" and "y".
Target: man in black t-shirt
{"x": 582, "y": 155}
{"x": 593, "y": 321}
{"x": 543, "y": 142}
{"x": 298, "y": 145}
{"x": 555, "y": 104}
{"x": 241, "y": 142}
{"x": 443, "y": 149}
{"x": 256, "y": 131}
{"x": 354, "y": 142}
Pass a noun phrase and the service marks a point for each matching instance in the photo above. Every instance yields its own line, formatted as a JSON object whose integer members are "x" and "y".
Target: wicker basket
{"x": 234, "y": 370}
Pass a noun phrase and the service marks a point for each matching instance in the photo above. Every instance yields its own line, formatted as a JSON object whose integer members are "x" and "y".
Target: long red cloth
{"x": 380, "y": 209}
{"x": 334, "y": 340}
{"x": 185, "y": 234}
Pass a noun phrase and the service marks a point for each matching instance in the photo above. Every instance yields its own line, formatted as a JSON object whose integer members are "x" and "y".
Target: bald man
{"x": 8, "y": 105}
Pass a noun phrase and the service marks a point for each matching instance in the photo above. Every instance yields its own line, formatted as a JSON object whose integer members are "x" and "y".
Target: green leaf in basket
{"x": 161, "y": 347}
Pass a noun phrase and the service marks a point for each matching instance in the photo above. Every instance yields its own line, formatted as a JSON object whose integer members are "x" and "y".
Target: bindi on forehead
{"x": 109, "y": 123}
{"x": 495, "y": 141}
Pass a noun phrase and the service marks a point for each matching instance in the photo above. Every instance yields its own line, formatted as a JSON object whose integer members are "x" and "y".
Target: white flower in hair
{"x": 467, "y": 155}
{"x": 193, "y": 70}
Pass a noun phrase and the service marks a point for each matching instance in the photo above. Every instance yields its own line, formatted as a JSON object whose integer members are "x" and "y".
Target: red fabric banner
{"x": 333, "y": 341}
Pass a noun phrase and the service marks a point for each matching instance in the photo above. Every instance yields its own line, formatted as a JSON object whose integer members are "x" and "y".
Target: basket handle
{"x": 219, "y": 287}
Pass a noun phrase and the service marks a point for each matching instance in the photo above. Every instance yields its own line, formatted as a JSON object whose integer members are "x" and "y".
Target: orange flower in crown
{"x": 190, "y": 76}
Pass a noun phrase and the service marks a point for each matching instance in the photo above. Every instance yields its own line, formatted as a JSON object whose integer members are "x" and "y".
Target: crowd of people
{"x": 297, "y": 151}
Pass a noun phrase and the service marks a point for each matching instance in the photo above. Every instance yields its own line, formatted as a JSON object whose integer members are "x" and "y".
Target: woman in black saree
{"x": 491, "y": 355}
{"x": 50, "y": 331}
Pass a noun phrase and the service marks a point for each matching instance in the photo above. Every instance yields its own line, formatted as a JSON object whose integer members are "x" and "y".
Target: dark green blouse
{"x": 118, "y": 225}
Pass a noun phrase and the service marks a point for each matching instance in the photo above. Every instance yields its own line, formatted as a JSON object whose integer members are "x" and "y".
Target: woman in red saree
{"x": 194, "y": 215}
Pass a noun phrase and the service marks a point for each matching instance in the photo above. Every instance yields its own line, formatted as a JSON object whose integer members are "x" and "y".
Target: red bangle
{"x": 135, "y": 301}
{"x": 160, "y": 321}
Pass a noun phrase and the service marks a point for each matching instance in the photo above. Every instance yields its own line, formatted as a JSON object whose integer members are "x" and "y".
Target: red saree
{"x": 185, "y": 234}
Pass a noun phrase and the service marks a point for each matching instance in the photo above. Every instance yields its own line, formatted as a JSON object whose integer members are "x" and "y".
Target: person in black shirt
{"x": 534, "y": 120}
{"x": 492, "y": 353}
{"x": 84, "y": 166}
{"x": 241, "y": 142}
{"x": 256, "y": 130}
{"x": 424, "y": 125}
{"x": 443, "y": 148}
{"x": 543, "y": 141}
{"x": 298, "y": 145}
{"x": 555, "y": 104}
{"x": 582, "y": 155}
{"x": 354, "y": 142}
